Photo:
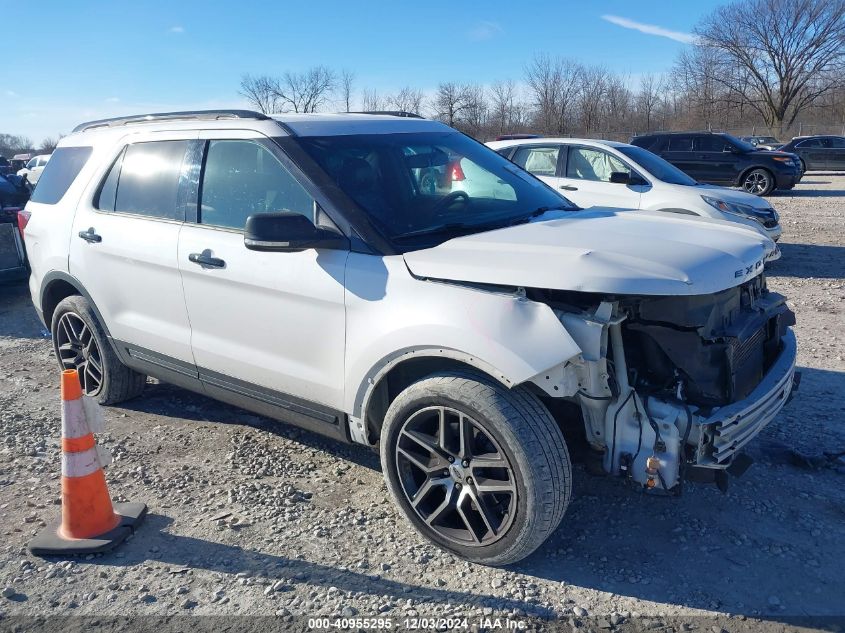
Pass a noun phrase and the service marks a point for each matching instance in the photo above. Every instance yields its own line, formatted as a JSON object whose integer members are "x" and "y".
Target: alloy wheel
{"x": 78, "y": 349}
{"x": 756, "y": 182}
{"x": 455, "y": 476}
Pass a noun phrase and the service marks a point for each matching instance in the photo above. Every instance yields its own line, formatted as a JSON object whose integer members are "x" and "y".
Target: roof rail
{"x": 401, "y": 113}
{"x": 190, "y": 115}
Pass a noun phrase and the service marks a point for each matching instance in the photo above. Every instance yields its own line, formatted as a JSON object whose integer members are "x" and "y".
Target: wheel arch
{"x": 57, "y": 286}
{"x": 397, "y": 372}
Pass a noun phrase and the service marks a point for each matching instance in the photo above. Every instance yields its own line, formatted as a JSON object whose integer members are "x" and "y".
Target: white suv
{"x": 591, "y": 172}
{"x": 296, "y": 267}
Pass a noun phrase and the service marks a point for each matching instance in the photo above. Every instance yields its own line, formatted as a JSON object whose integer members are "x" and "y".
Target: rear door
{"x": 586, "y": 179}
{"x": 717, "y": 162}
{"x": 266, "y": 325}
{"x": 836, "y": 159}
{"x": 679, "y": 152}
{"x": 813, "y": 152}
{"x": 124, "y": 244}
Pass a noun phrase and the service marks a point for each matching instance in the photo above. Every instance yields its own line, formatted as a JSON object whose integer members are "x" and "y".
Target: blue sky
{"x": 95, "y": 59}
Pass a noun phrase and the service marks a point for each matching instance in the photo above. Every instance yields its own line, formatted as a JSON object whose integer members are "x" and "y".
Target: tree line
{"x": 772, "y": 66}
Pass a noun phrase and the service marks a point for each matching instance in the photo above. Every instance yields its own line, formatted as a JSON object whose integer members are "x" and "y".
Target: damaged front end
{"x": 673, "y": 387}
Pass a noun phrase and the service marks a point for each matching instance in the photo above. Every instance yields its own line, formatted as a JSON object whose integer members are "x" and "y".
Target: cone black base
{"x": 49, "y": 543}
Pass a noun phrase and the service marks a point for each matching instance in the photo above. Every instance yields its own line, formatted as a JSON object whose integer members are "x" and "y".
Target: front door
{"x": 717, "y": 159}
{"x": 266, "y": 325}
{"x": 586, "y": 179}
{"x": 814, "y": 153}
{"x": 124, "y": 244}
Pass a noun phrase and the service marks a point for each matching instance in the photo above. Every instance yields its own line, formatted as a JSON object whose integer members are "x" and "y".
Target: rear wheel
{"x": 758, "y": 182}
{"x": 480, "y": 470}
{"x": 80, "y": 343}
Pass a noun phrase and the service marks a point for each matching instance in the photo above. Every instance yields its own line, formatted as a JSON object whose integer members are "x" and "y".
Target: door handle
{"x": 90, "y": 236}
{"x": 568, "y": 188}
{"x": 206, "y": 260}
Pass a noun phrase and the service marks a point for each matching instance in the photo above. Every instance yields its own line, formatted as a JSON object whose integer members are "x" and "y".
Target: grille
{"x": 745, "y": 363}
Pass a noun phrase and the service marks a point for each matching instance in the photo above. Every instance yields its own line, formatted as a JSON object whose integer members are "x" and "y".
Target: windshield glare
{"x": 656, "y": 166}
{"x": 409, "y": 183}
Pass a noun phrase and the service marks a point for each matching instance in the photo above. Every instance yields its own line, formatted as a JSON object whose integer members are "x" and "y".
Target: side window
{"x": 680, "y": 144}
{"x": 108, "y": 190}
{"x": 32, "y": 162}
{"x": 148, "y": 183}
{"x": 588, "y": 163}
{"x": 710, "y": 144}
{"x": 243, "y": 177}
{"x": 837, "y": 142}
{"x": 810, "y": 143}
{"x": 59, "y": 174}
{"x": 540, "y": 161}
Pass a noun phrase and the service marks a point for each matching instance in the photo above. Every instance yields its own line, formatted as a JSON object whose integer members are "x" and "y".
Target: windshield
{"x": 427, "y": 183}
{"x": 656, "y": 166}
{"x": 740, "y": 144}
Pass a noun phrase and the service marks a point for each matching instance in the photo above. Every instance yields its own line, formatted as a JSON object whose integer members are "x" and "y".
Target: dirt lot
{"x": 250, "y": 517}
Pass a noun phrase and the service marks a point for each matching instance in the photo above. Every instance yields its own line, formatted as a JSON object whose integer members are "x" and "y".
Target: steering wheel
{"x": 450, "y": 199}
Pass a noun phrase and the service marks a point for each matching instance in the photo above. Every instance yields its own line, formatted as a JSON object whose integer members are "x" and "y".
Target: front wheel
{"x": 480, "y": 470}
{"x": 758, "y": 182}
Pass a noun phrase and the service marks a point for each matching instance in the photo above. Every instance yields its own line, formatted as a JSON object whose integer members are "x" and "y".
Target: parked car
{"x": 33, "y": 169}
{"x": 13, "y": 195}
{"x": 292, "y": 265}
{"x": 762, "y": 142}
{"x": 722, "y": 159}
{"x": 605, "y": 173}
{"x": 818, "y": 153}
{"x": 5, "y": 166}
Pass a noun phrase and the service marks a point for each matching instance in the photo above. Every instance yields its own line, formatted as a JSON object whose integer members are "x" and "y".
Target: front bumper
{"x": 731, "y": 427}
{"x": 787, "y": 180}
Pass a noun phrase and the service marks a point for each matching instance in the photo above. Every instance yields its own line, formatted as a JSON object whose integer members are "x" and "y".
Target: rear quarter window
{"x": 59, "y": 174}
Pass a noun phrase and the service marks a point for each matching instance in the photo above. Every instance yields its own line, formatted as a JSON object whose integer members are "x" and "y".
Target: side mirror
{"x": 288, "y": 232}
{"x": 620, "y": 177}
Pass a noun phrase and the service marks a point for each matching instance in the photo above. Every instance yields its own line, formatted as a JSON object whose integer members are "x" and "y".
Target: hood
{"x": 733, "y": 195}
{"x": 603, "y": 250}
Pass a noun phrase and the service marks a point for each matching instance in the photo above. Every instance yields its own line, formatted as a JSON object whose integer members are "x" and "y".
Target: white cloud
{"x": 113, "y": 99}
{"x": 484, "y": 31}
{"x": 176, "y": 29}
{"x": 650, "y": 29}
{"x": 12, "y": 94}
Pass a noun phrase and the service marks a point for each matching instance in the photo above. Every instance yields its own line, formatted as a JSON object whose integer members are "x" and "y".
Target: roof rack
{"x": 190, "y": 115}
{"x": 401, "y": 113}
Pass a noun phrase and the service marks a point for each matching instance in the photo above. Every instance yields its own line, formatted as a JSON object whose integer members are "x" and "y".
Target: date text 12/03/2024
{"x": 415, "y": 624}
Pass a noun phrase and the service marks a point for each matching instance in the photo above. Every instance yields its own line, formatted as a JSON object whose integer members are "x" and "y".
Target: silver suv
{"x": 388, "y": 281}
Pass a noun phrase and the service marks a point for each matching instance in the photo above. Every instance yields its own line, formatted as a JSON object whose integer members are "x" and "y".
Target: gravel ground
{"x": 250, "y": 517}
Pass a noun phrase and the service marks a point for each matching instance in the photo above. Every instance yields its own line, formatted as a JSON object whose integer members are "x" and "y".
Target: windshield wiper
{"x": 481, "y": 226}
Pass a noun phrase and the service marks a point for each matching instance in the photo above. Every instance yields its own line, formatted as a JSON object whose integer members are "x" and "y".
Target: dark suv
{"x": 722, "y": 159}
{"x": 818, "y": 152}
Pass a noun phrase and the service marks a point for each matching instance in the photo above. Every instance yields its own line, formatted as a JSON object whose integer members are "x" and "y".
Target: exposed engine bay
{"x": 674, "y": 386}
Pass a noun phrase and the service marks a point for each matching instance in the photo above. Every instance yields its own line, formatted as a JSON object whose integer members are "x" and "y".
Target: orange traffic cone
{"x": 89, "y": 521}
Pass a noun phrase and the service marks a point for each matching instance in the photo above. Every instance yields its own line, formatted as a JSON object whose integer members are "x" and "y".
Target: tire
{"x": 518, "y": 428}
{"x": 102, "y": 375}
{"x": 803, "y": 166}
{"x": 759, "y": 182}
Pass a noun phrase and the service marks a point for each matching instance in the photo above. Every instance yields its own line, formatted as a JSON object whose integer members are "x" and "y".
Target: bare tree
{"x": 11, "y": 144}
{"x": 407, "y": 100}
{"x": 554, "y": 85}
{"x": 502, "y": 107}
{"x": 48, "y": 145}
{"x": 347, "y": 78}
{"x": 306, "y": 91}
{"x": 593, "y": 91}
{"x": 371, "y": 101}
{"x": 449, "y": 102}
{"x": 473, "y": 118}
{"x": 648, "y": 98}
{"x": 791, "y": 52}
{"x": 260, "y": 92}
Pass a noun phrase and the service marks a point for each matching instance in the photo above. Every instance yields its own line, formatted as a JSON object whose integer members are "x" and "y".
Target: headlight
{"x": 742, "y": 210}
